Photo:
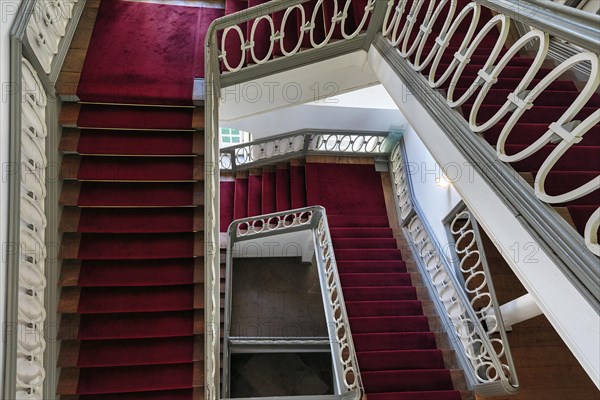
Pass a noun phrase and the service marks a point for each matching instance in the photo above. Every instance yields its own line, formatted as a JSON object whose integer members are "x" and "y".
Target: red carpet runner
{"x": 262, "y": 192}
{"x": 132, "y": 249}
{"x": 397, "y": 352}
{"x": 143, "y": 53}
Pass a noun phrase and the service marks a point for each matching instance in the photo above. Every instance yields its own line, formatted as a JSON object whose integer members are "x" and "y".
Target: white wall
{"x": 317, "y": 117}
{"x": 296, "y": 244}
{"x": 8, "y": 10}
{"x": 426, "y": 176}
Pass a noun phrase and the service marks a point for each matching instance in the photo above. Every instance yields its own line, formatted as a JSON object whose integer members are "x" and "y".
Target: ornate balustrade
{"x": 314, "y": 219}
{"x": 40, "y": 37}
{"x": 478, "y": 285}
{"x": 47, "y": 27}
{"x": 470, "y": 313}
{"x": 481, "y": 356}
{"x": 409, "y": 29}
{"x": 31, "y": 343}
{"x": 303, "y": 143}
{"x": 243, "y": 42}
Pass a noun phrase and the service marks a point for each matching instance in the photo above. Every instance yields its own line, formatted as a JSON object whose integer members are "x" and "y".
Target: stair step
{"x": 131, "y": 325}
{"x": 124, "y": 220}
{"x": 421, "y": 395}
{"x": 393, "y": 341}
{"x": 268, "y": 196}
{"x": 364, "y": 243}
{"x": 131, "y": 143}
{"x": 358, "y": 221}
{"x": 341, "y": 233}
{"x": 110, "y": 353}
{"x": 130, "y": 195}
{"x": 240, "y": 199}
{"x": 380, "y": 293}
{"x": 372, "y": 308}
{"x": 409, "y": 380}
{"x": 375, "y": 279}
{"x": 368, "y": 254}
{"x": 368, "y": 266}
{"x": 98, "y": 246}
{"x": 282, "y": 189}
{"x": 91, "y": 381}
{"x": 226, "y": 204}
{"x": 104, "y": 273}
{"x": 297, "y": 187}
{"x": 132, "y": 169}
{"x": 577, "y": 158}
{"x": 538, "y": 114}
{"x": 254, "y": 195}
{"x": 400, "y": 360}
{"x": 106, "y": 117}
{"x": 180, "y": 394}
{"x": 381, "y": 324}
{"x": 102, "y": 300}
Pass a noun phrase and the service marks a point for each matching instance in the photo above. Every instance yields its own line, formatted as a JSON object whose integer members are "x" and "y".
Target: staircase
{"x": 132, "y": 278}
{"x": 397, "y": 351}
{"x": 262, "y": 191}
{"x": 132, "y": 275}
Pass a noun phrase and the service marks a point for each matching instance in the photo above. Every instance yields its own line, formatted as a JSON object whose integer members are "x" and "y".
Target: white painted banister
{"x": 565, "y": 131}
{"x": 346, "y": 373}
{"x": 31, "y": 342}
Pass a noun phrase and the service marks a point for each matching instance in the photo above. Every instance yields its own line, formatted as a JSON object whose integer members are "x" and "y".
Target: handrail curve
{"x": 303, "y": 143}
{"x": 314, "y": 219}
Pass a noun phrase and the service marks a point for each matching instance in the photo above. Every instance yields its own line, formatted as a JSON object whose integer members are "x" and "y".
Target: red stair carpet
{"x": 263, "y": 191}
{"x": 397, "y": 352}
{"x": 132, "y": 248}
{"x": 143, "y": 53}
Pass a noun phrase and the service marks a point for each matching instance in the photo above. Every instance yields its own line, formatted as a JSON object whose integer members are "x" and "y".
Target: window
{"x": 232, "y": 137}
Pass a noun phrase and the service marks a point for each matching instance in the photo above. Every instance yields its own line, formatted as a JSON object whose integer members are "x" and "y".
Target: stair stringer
{"x": 568, "y": 310}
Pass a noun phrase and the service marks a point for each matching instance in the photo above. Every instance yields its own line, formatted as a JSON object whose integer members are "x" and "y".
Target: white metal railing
{"x": 477, "y": 335}
{"x": 478, "y": 285}
{"x": 303, "y": 143}
{"x": 479, "y": 354}
{"x": 310, "y": 14}
{"x": 402, "y": 22}
{"x": 40, "y": 35}
{"x": 31, "y": 344}
{"x": 46, "y": 28}
{"x": 345, "y": 365}
{"x": 400, "y": 183}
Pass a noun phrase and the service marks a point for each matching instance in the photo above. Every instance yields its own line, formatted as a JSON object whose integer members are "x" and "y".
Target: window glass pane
{"x": 235, "y": 139}
{"x": 226, "y": 139}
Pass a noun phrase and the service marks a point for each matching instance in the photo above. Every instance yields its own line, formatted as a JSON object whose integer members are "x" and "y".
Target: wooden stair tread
{"x": 69, "y": 379}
